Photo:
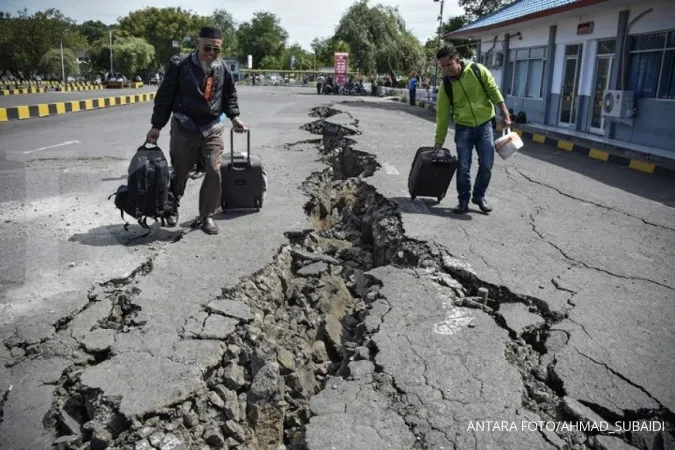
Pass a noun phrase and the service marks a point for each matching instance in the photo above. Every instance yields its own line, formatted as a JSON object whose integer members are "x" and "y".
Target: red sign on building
{"x": 341, "y": 68}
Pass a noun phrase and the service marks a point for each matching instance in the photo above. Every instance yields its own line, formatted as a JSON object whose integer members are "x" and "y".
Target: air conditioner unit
{"x": 496, "y": 59}
{"x": 619, "y": 104}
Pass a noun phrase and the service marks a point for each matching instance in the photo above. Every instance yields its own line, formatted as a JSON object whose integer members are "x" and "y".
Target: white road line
{"x": 389, "y": 169}
{"x": 62, "y": 144}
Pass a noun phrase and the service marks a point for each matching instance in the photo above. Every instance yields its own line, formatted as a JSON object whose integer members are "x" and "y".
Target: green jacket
{"x": 473, "y": 107}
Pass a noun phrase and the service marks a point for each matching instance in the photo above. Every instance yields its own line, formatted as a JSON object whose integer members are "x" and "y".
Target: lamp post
{"x": 440, "y": 31}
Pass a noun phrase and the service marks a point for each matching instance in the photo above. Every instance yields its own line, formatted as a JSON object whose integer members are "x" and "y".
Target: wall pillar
{"x": 617, "y": 69}
{"x": 505, "y": 64}
{"x": 548, "y": 72}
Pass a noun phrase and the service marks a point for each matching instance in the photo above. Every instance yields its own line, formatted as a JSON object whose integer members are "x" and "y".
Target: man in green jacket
{"x": 472, "y": 112}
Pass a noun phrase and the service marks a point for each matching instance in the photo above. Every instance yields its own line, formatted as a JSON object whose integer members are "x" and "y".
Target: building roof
{"x": 520, "y": 11}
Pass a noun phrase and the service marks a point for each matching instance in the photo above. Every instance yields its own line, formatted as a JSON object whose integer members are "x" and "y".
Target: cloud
{"x": 303, "y": 19}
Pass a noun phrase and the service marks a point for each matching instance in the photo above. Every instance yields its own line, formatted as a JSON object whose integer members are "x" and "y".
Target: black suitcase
{"x": 242, "y": 178}
{"x": 431, "y": 173}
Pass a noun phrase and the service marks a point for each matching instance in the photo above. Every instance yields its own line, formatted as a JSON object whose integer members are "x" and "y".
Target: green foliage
{"x": 50, "y": 64}
{"x": 224, "y": 20}
{"x": 92, "y": 30}
{"x": 378, "y": 39}
{"x": 161, "y": 26}
{"x": 130, "y": 54}
{"x": 475, "y": 9}
{"x": 25, "y": 39}
{"x": 262, "y": 37}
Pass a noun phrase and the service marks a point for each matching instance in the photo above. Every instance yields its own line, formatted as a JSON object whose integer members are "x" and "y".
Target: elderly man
{"x": 197, "y": 89}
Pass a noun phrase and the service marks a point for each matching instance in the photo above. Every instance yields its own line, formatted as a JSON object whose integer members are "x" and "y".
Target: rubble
{"x": 286, "y": 330}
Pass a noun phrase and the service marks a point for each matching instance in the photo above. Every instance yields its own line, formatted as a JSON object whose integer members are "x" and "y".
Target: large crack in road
{"x": 288, "y": 330}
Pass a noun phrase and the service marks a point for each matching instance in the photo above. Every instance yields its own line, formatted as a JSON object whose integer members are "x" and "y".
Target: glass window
{"x": 572, "y": 50}
{"x": 667, "y": 89}
{"x": 651, "y": 70}
{"x": 537, "y": 53}
{"x": 607, "y": 47}
{"x": 520, "y": 78}
{"x": 647, "y": 42}
{"x": 535, "y": 75}
{"x": 523, "y": 53}
{"x": 525, "y": 72}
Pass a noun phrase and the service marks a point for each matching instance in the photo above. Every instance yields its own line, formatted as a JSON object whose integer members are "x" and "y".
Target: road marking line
{"x": 390, "y": 169}
{"x": 62, "y": 144}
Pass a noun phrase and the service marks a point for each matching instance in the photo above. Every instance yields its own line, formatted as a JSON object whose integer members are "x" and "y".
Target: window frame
{"x": 511, "y": 70}
{"x": 663, "y": 50}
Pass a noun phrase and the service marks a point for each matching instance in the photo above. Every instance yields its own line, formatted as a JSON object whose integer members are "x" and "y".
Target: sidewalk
{"x": 642, "y": 158}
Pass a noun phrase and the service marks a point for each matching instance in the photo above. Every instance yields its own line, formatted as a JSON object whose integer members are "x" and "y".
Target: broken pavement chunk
{"x": 518, "y": 318}
{"x": 99, "y": 340}
{"x": 231, "y": 308}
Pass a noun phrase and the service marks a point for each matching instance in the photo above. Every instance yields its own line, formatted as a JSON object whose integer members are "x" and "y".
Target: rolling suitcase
{"x": 242, "y": 185}
{"x": 431, "y": 173}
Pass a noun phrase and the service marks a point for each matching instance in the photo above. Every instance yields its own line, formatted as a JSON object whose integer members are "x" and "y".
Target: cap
{"x": 210, "y": 33}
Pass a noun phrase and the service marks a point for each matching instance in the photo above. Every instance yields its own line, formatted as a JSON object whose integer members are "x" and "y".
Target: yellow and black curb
{"x": 582, "y": 148}
{"x": 90, "y": 87}
{"x": 23, "y": 91}
{"x": 53, "y": 109}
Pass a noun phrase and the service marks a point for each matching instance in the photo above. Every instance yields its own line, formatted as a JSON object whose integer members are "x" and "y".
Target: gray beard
{"x": 207, "y": 66}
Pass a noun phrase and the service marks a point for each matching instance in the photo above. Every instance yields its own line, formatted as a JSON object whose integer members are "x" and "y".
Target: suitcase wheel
{"x": 413, "y": 195}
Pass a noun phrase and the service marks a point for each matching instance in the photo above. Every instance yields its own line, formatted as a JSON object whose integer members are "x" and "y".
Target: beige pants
{"x": 184, "y": 150}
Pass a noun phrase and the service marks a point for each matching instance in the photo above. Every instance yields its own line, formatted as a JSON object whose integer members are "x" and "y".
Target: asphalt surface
{"x": 589, "y": 240}
{"x": 7, "y": 101}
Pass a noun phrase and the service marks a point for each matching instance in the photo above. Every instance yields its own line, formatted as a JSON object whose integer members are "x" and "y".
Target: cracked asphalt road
{"x": 586, "y": 256}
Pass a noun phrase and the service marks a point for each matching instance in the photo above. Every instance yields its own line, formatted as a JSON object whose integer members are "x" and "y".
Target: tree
{"x": 161, "y": 26}
{"x": 463, "y": 46}
{"x": 130, "y": 54}
{"x": 475, "y": 9}
{"x": 262, "y": 36}
{"x": 93, "y": 30}
{"x": 378, "y": 39}
{"x": 325, "y": 49}
{"x": 25, "y": 39}
{"x": 224, "y": 20}
{"x": 303, "y": 59}
{"x": 50, "y": 64}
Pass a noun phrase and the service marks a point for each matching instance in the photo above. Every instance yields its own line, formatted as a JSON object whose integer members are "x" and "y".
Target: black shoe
{"x": 482, "y": 204}
{"x": 209, "y": 226}
{"x": 462, "y": 208}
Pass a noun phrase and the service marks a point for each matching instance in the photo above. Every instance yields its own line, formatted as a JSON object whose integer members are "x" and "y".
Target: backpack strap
{"x": 476, "y": 71}
{"x": 447, "y": 86}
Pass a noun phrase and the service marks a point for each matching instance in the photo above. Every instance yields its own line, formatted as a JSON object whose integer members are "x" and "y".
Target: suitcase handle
{"x": 248, "y": 147}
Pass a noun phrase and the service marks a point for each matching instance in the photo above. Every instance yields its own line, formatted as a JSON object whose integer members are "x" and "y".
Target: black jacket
{"x": 182, "y": 91}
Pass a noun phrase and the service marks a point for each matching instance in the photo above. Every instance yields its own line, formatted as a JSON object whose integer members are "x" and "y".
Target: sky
{"x": 303, "y": 19}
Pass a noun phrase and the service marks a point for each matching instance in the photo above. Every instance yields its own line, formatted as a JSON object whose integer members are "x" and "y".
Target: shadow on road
{"x": 429, "y": 206}
{"x": 109, "y": 235}
{"x": 652, "y": 187}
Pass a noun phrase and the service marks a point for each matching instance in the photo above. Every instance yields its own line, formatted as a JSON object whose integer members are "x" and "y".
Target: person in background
{"x": 197, "y": 90}
{"x": 412, "y": 88}
{"x": 472, "y": 110}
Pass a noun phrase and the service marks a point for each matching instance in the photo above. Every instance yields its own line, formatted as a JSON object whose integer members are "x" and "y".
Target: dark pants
{"x": 413, "y": 96}
{"x": 466, "y": 138}
{"x": 184, "y": 150}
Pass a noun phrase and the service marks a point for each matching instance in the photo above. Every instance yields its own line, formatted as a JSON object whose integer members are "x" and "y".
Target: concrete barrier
{"x": 91, "y": 87}
{"x": 23, "y": 91}
{"x": 52, "y": 109}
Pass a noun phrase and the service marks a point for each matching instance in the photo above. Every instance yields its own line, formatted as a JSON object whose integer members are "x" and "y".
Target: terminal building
{"x": 597, "y": 70}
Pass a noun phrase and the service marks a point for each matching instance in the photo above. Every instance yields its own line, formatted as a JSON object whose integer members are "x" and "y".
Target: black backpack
{"x": 447, "y": 86}
{"x": 147, "y": 192}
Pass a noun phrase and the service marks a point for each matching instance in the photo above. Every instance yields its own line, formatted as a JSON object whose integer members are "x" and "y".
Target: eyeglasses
{"x": 211, "y": 48}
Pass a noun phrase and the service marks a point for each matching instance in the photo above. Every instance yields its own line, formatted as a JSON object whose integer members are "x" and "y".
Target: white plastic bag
{"x": 508, "y": 144}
